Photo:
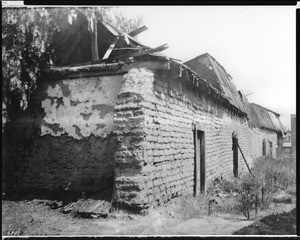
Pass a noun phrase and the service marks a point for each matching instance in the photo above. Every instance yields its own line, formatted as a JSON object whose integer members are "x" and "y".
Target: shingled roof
{"x": 210, "y": 70}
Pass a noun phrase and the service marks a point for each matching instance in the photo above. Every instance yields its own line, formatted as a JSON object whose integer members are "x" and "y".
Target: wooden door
{"x": 235, "y": 156}
{"x": 199, "y": 162}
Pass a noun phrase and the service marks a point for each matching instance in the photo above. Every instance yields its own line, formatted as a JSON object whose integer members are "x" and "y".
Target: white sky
{"x": 255, "y": 44}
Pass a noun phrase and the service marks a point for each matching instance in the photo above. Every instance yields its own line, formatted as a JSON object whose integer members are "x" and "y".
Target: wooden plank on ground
{"x": 98, "y": 207}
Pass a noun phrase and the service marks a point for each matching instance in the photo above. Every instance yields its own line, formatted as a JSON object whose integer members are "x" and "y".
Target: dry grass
{"x": 186, "y": 207}
{"x": 252, "y": 192}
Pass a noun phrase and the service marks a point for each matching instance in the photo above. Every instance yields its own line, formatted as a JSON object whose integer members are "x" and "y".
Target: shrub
{"x": 246, "y": 194}
{"x": 248, "y": 198}
{"x": 267, "y": 176}
{"x": 221, "y": 196}
{"x": 276, "y": 172}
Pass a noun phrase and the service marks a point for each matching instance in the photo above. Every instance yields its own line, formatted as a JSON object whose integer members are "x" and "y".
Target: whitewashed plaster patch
{"x": 86, "y": 108}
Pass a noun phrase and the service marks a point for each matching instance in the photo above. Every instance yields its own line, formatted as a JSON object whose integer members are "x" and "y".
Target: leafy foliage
{"x": 27, "y": 48}
{"x": 249, "y": 195}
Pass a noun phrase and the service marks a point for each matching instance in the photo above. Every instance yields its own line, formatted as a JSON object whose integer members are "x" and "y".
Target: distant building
{"x": 287, "y": 136}
{"x": 287, "y": 144}
{"x": 293, "y": 134}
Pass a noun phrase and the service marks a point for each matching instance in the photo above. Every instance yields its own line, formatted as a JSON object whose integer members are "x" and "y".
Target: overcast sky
{"x": 255, "y": 44}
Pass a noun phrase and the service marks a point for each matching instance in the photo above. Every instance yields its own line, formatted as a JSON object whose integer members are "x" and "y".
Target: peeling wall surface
{"x": 154, "y": 122}
{"x": 66, "y": 137}
{"x": 134, "y": 130}
{"x": 80, "y": 108}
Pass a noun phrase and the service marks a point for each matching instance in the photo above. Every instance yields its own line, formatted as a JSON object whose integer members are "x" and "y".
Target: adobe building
{"x": 149, "y": 126}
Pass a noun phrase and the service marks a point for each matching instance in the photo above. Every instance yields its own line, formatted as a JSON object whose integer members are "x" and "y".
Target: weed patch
{"x": 186, "y": 207}
{"x": 253, "y": 191}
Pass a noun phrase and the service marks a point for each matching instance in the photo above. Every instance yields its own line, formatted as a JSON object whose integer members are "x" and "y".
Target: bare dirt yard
{"x": 36, "y": 218}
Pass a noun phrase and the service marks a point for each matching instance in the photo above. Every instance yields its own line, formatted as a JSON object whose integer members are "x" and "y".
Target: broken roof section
{"x": 210, "y": 70}
{"x": 85, "y": 41}
{"x": 265, "y": 118}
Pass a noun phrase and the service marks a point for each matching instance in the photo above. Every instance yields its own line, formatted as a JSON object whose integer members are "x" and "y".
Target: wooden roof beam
{"x": 141, "y": 53}
{"x": 138, "y": 31}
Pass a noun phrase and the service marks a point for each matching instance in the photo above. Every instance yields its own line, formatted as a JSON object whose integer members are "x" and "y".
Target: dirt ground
{"x": 279, "y": 224}
{"x": 35, "y": 218}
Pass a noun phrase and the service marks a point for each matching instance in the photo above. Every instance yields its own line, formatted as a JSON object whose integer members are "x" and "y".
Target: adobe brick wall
{"x": 137, "y": 128}
{"x": 66, "y": 136}
{"x": 154, "y": 124}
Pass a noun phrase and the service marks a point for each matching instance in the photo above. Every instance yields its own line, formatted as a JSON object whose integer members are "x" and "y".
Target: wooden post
{"x": 94, "y": 39}
{"x": 244, "y": 158}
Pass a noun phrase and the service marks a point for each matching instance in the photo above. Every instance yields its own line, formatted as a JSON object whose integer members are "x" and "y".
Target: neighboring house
{"x": 268, "y": 120}
{"x": 146, "y": 124}
{"x": 287, "y": 149}
{"x": 287, "y": 136}
{"x": 293, "y": 134}
{"x": 289, "y": 143}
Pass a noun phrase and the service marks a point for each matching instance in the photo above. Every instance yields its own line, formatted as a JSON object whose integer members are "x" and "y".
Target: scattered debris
{"x": 39, "y": 201}
{"x": 93, "y": 208}
{"x": 55, "y": 204}
{"x": 68, "y": 208}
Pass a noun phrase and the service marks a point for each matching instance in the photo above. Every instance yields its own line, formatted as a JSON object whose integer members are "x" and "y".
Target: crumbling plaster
{"x": 66, "y": 137}
{"x": 80, "y": 107}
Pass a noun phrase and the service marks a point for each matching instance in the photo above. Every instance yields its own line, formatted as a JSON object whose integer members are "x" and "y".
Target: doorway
{"x": 264, "y": 147}
{"x": 199, "y": 162}
{"x": 235, "y": 154}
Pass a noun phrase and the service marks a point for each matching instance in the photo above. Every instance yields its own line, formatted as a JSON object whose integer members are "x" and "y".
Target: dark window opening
{"x": 235, "y": 154}
{"x": 270, "y": 149}
{"x": 199, "y": 162}
{"x": 264, "y": 148}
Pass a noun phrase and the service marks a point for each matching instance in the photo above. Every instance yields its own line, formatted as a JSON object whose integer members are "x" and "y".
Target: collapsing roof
{"x": 265, "y": 118}
{"x": 209, "y": 69}
{"x": 83, "y": 41}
